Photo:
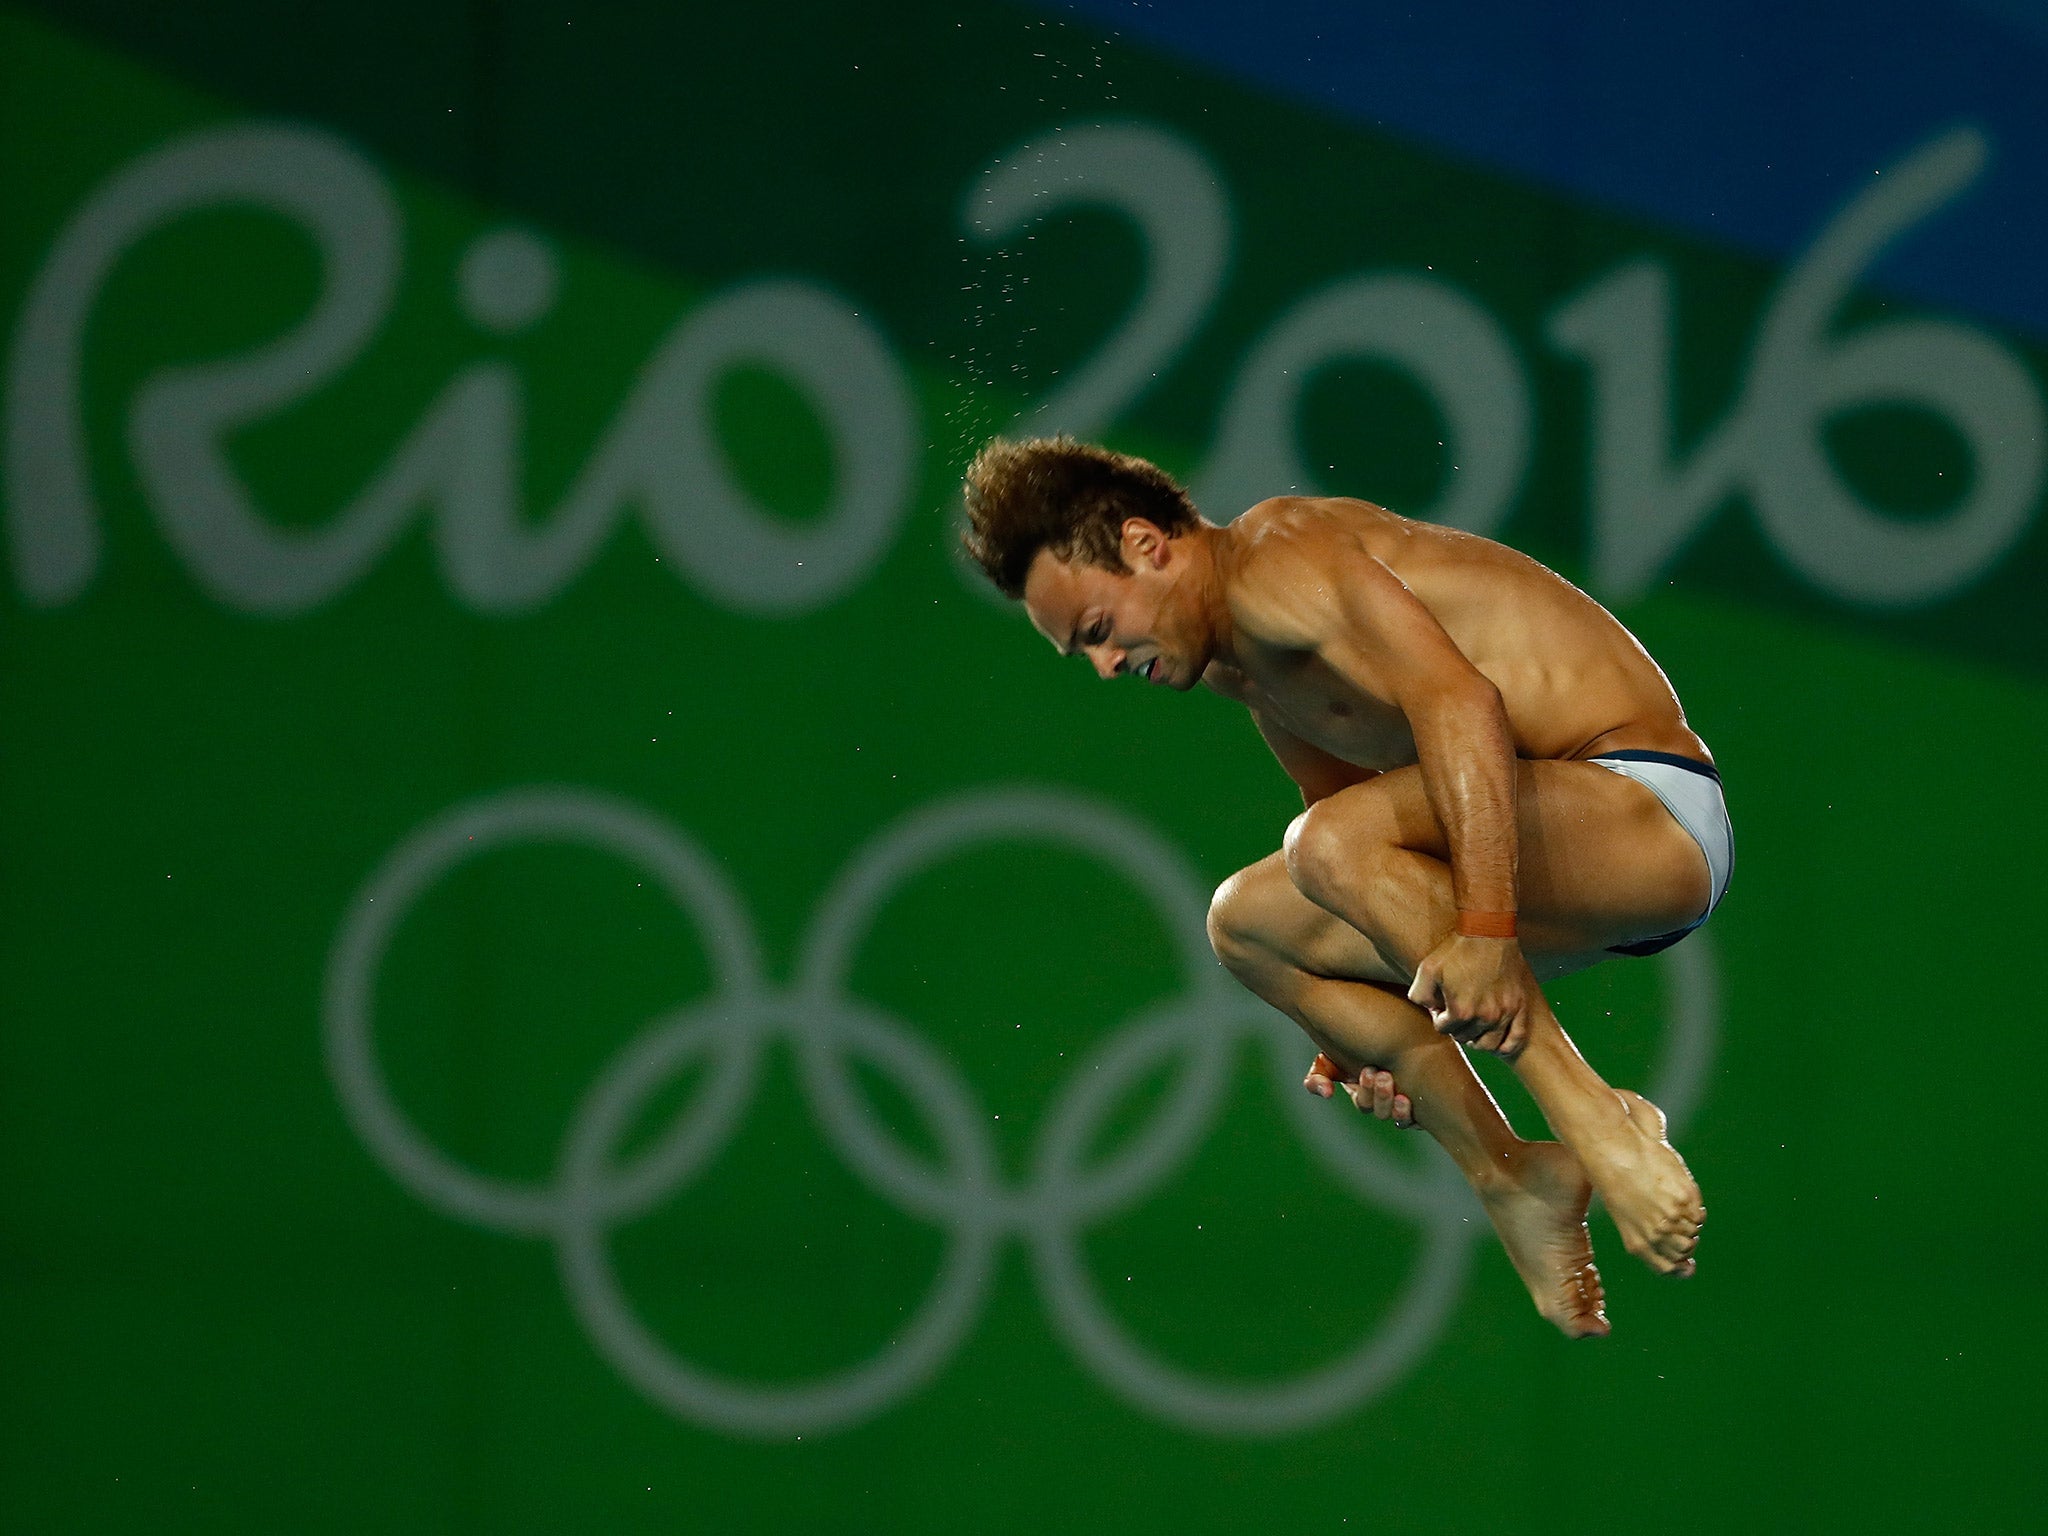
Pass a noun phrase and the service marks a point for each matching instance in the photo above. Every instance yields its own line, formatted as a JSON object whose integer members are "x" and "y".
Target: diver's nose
{"x": 1108, "y": 662}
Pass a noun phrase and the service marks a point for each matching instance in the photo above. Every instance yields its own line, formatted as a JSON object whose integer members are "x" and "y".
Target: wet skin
{"x": 1435, "y": 696}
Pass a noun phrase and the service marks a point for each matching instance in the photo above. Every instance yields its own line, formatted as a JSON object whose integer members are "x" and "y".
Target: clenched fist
{"x": 1477, "y": 991}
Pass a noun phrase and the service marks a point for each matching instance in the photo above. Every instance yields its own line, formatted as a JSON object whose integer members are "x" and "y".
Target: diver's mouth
{"x": 1148, "y": 669}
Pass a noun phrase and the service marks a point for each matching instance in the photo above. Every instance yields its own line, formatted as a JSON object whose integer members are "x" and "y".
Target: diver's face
{"x": 1129, "y": 622}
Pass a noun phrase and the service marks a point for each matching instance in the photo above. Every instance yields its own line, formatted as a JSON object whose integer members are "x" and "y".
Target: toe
{"x": 1651, "y": 1252}
{"x": 1584, "y": 1317}
{"x": 1675, "y": 1255}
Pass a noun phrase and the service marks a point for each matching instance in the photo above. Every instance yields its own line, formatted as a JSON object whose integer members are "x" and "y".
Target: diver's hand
{"x": 1477, "y": 991}
{"x": 1372, "y": 1091}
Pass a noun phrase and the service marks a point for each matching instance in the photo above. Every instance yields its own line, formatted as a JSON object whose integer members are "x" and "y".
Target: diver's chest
{"x": 1324, "y": 710}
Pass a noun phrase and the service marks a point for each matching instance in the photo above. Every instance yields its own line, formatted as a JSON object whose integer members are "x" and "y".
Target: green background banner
{"x": 566, "y": 970}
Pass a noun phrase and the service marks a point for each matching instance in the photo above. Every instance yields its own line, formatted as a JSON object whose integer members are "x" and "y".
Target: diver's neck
{"x": 1207, "y": 595}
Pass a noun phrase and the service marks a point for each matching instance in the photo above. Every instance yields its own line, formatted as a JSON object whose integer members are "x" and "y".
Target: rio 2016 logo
{"x": 659, "y": 455}
{"x": 1201, "y": 1032}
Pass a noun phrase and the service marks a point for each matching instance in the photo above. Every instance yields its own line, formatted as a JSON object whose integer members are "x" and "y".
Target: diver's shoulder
{"x": 1284, "y": 537}
{"x": 1273, "y": 543}
{"x": 1283, "y": 529}
{"x": 1311, "y": 517}
{"x": 1288, "y": 558}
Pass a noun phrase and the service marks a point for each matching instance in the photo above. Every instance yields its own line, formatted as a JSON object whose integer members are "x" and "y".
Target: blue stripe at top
{"x": 1669, "y": 759}
{"x": 1746, "y": 122}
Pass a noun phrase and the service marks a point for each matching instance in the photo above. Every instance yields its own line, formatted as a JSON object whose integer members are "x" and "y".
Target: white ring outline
{"x": 832, "y": 1402}
{"x": 1215, "y": 1013}
{"x": 1062, "y": 1200}
{"x": 690, "y": 877}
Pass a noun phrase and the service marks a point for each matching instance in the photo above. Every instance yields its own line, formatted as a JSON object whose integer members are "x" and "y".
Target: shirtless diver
{"x": 1500, "y": 786}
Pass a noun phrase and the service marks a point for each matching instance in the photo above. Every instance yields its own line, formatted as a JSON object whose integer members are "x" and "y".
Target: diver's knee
{"x": 1229, "y": 934}
{"x": 1234, "y": 929}
{"x": 1333, "y": 848}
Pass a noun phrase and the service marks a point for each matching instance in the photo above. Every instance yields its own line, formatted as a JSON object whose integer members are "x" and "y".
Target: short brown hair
{"x": 1066, "y": 496}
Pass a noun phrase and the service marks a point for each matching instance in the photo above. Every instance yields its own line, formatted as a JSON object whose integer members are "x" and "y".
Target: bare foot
{"x": 1541, "y": 1218}
{"x": 1646, "y": 1187}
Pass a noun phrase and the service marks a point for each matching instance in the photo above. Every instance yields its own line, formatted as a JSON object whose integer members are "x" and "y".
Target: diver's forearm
{"x": 1467, "y": 756}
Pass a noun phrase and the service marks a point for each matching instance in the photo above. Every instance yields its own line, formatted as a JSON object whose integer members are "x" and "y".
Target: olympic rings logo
{"x": 592, "y": 1190}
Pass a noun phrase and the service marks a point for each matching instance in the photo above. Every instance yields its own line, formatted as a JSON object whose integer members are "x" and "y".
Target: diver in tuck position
{"x": 1500, "y": 786}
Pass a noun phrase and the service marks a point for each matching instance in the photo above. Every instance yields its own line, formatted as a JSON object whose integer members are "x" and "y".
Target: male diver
{"x": 1499, "y": 784}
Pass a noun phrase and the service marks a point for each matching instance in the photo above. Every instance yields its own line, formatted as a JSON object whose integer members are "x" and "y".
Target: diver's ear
{"x": 1143, "y": 543}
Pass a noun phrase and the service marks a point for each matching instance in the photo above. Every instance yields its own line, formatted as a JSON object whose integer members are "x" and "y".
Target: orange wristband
{"x": 1487, "y": 925}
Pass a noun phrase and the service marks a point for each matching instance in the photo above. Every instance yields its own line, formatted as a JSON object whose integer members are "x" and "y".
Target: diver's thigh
{"x": 1265, "y": 907}
{"x": 1602, "y": 861}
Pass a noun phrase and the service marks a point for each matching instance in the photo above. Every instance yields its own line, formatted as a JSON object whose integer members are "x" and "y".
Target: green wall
{"x": 564, "y": 970}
